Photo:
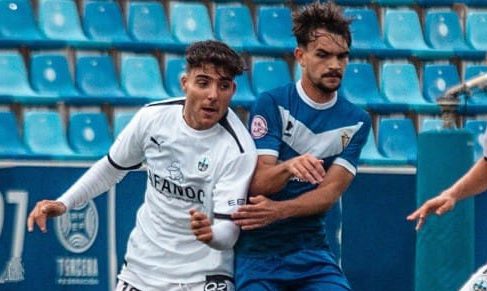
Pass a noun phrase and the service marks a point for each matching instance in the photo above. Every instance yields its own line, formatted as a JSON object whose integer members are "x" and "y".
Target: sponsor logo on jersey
{"x": 77, "y": 229}
{"x": 171, "y": 186}
{"x": 289, "y": 126}
{"x": 158, "y": 143}
{"x": 258, "y": 127}
{"x": 203, "y": 164}
{"x": 175, "y": 173}
{"x": 480, "y": 284}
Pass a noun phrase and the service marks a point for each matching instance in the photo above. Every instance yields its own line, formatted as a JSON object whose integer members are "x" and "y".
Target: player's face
{"x": 323, "y": 61}
{"x": 208, "y": 93}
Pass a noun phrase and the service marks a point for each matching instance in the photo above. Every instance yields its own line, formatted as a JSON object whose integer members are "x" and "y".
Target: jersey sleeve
{"x": 266, "y": 126}
{"x": 350, "y": 155}
{"x": 232, "y": 186}
{"x": 127, "y": 151}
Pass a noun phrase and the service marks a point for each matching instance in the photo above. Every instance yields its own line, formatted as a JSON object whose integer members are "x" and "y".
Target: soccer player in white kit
{"x": 472, "y": 183}
{"x": 199, "y": 158}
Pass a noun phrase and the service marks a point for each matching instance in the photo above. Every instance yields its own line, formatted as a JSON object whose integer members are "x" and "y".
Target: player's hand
{"x": 437, "y": 205}
{"x": 201, "y": 226}
{"x": 260, "y": 212}
{"x": 307, "y": 168}
{"x": 43, "y": 210}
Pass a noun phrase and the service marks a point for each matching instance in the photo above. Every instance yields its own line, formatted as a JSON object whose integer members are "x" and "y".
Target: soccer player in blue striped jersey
{"x": 308, "y": 142}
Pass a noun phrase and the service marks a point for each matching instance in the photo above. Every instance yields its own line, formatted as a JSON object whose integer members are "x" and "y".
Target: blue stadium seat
{"x": 50, "y": 77}
{"x": 120, "y": 120}
{"x": 437, "y": 78}
{"x": 174, "y": 68}
{"x": 103, "y": 24}
{"x": 395, "y": 2}
{"x": 18, "y": 26}
{"x": 400, "y": 84}
{"x": 370, "y": 155}
{"x": 14, "y": 82}
{"x": 244, "y": 97}
{"x": 443, "y": 32}
{"x": 268, "y": 74}
{"x": 274, "y": 28}
{"x": 476, "y": 29}
{"x": 141, "y": 77}
{"x": 190, "y": 22}
{"x": 11, "y": 145}
{"x": 403, "y": 32}
{"x": 475, "y": 3}
{"x": 477, "y": 99}
{"x": 45, "y": 136}
{"x": 97, "y": 80}
{"x": 359, "y": 85}
{"x": 148, "y": 26}
{"x": 429, "y": 3}
{"x": 431, "y": 124}
{"x": 397, "y": 139}
{"x": 366, "y": 34}
{"x": 234, "y": 25}
{"x": 59, "y": 20}
{"x": 89, "y": 134}
{"x": 354, "y": 2}
{"x": 297, "y": 71}
{"x": 477, "y": 128}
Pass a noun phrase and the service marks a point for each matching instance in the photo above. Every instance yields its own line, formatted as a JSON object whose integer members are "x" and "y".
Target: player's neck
{"x": 315, "y": 93}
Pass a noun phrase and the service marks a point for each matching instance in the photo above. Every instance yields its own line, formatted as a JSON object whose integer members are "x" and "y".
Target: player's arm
{"x": 472, "y": 183}
{"x": 272, "y": 176}
{"x": 98, "y": 179}
{"x": 262, "y": 211}
{"x": 220, "y": 235}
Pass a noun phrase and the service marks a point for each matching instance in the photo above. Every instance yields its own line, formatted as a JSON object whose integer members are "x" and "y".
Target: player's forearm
{"x": 472, "y": 183}
{"x": 268, "y": 179}
{"x": 98, "y": 179}
{"x": 310, "y": 203}
{"x": 225, "y": 234}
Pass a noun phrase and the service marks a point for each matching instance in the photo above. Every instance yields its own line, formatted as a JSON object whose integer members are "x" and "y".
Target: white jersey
{"x": 207, "y": 170}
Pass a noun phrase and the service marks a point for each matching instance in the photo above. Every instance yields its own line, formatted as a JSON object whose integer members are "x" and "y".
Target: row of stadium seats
{"x": 440, "y": 36}
{"x": 146, "y": 27}
{"x": 141, "y": 79}
{"x": 424, "y": 3}
{"x": 88, "y": 135}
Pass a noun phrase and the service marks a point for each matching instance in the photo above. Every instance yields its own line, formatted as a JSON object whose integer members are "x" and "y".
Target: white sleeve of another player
{"x": 478, "y": 281}
{"x": 98, "y": 179}
{"x": 225, "y": 234}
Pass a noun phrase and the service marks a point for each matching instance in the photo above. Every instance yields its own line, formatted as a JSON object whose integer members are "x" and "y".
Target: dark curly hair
{"x": 216, "y": 53}
{"x": 318, "y": 15}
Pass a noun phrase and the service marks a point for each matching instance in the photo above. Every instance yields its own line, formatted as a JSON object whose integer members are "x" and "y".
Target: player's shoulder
{"x": 165, "y": 104}
{"x": 239, "y": 134}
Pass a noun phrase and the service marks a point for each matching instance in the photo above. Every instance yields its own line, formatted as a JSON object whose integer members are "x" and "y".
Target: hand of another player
{"x": 201, "y": 226}
{"x": 307, "y": 168}
{"x": 437, "y": 205}
{"x": 260, "y": 212}
{"x": 43, "y": 210}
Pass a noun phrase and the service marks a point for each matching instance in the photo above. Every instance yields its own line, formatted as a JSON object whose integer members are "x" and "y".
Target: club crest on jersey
{"x": 203, "y": 164}
{"x": 175, "y": 173}
{"x": 345, "y": 140}
{"x": 258, "y": 127}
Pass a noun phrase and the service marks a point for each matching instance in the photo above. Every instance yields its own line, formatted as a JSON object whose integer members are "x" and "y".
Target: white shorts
{"x": 210, "y": 285}
{"x": 478, "y": 281}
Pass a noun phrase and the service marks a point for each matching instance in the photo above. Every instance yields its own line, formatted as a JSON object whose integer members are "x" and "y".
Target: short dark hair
{"x": 216, "y": 53}
{"x": 318, "y": 15}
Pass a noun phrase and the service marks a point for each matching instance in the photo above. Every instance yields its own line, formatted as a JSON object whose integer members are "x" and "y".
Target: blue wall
{"x": 377, "y": 243}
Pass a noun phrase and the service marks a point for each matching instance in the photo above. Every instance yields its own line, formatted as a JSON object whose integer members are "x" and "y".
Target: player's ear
{"x": 298, "y": 55}
{"x": 184, "y": 82}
